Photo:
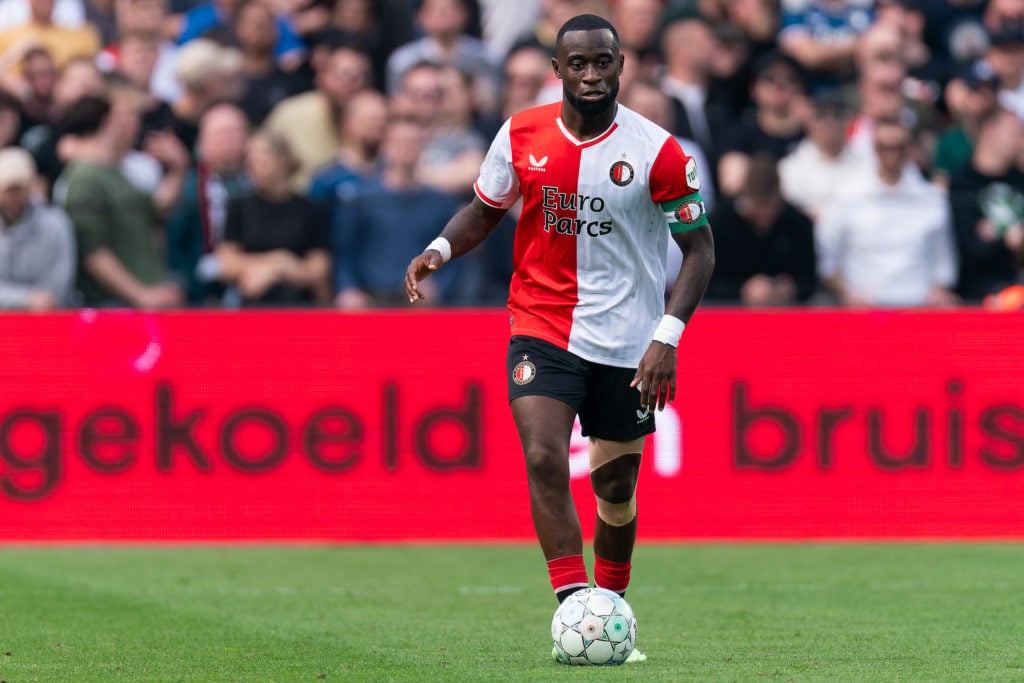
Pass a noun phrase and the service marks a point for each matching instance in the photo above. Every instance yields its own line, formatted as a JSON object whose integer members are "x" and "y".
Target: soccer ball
{"x": 593, "y": 626}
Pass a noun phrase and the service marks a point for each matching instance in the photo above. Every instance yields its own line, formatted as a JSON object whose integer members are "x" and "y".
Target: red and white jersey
{"x": 590, "y": 245}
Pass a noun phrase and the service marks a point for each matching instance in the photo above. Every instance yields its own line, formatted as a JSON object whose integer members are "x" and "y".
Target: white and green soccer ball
{"x": 593, "y": 627}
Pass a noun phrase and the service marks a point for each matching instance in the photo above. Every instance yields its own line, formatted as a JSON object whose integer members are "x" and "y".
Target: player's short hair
{"x": 586, "y": 22}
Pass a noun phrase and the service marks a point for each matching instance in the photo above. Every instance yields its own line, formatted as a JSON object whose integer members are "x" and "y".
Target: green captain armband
{"x": 685, "y": 213}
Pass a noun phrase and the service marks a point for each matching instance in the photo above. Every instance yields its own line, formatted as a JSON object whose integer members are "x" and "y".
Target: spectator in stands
{"x": 11, "y": 121}
{"x": 276, "y": 248}
{"x": 309, "y": 121}
{"x": 375, "y": 234}
{"x": 554, "y": 13}
{"x": 209, "y": 74}
{"x": 822, "y": 36}
{"x": 419, "y": 94}
{"x": 37, "y": 249}
{"x": 879, "y": 87}
{"x": 887, "y": 240}
{"x": 701, "y": 111}
{"x": 927, "y": 70}
{"x": 380, "y": 26}
{"x": 214, "y": 20}
{"x": 987, "y": 199}
{"x": 1006, "y": 55}
{"x": 969, "y": 97}
{"x": 115, "y": 222}
{"x": 774, "y": 126}
{"x": 137, "y": 58}
{"x": 78, "y": 78}
{"x": 764, "y": 246}
{"x": 361, "y": 129}
{"x": 526, "y": 70}
{"x": 999, "y": 13}
{"x": 822, "y": 164}
{"x": 446, "y": 42}
{"x": 61, "y": 42}
{"x": 638, "y": 23}
{"x": 40, "y": 79}
{"x": 197, "y": 225}
{"x": 266, "y": 83}
{"x": 142, "y": 50}
{"x": 14, "y": 13}
{"x": 455, "y": 148}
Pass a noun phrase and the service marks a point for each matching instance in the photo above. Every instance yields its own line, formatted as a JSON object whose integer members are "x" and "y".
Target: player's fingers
{"x": 637, "y": 382}
{"x": 663, "y": 392}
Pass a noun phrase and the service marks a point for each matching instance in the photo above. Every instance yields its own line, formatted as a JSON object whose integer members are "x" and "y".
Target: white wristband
{"x": 443, "y": 246}
{"x": 670, "y": 329}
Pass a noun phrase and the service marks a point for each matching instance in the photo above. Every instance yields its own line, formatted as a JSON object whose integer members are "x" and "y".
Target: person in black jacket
{"x": 764, "y": 246}
{"x": 987, "y": 201}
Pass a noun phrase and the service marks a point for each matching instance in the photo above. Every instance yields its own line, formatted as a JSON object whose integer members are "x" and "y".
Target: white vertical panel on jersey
{"x": 621, "y": 273}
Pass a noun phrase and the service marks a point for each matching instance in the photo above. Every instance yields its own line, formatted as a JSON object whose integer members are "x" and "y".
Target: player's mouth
{"x": 593, "y": 95}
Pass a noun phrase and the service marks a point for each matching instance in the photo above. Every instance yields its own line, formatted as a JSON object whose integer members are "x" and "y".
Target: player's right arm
{"x": 468, "y": 228}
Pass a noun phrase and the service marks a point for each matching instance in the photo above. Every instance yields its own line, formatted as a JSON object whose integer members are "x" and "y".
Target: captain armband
{"x": 685, "y": 213}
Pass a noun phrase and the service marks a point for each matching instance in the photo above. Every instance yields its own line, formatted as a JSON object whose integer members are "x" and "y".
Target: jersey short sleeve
{"x": 675, "y": 186}
{"x": 498, "y": 185}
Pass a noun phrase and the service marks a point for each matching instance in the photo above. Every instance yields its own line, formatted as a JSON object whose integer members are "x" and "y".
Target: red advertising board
{"x": 394, "y": 425}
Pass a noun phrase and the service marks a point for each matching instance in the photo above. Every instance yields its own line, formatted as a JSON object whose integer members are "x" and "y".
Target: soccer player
{"x": 602, "y": 189}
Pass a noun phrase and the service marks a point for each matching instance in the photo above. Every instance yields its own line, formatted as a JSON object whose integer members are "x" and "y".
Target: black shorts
{"x": 608, "y": 407}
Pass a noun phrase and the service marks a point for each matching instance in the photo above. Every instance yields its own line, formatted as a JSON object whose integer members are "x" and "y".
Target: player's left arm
{"x": 656, "y": 374}
{"x": 684, "y": 210}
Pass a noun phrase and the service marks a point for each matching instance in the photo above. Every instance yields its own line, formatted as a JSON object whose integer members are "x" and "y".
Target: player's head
{"x": 588, "y": 61}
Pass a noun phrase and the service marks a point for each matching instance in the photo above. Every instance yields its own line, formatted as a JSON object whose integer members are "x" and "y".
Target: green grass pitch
{"x": 789, "y": 612}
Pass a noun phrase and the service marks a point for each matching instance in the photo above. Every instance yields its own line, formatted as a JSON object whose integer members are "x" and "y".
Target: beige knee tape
{"x": 603, "y": 451}
{"x": 617, "y": 514}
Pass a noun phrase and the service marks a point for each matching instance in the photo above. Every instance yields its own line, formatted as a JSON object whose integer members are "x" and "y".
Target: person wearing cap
{"x": 775, "y": 124}
{"x": 1006, "y": 55}
{"x": 969, "y": 97}
{"x": 37, "y": 249}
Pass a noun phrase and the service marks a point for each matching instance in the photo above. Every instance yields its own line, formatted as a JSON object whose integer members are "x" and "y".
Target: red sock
{"x": 611, "y": 575}
{"x": 568, "y": 574}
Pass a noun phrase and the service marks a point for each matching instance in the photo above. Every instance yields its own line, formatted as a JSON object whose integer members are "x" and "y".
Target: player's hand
{"x": 655, "y": 377}
{"x": 421, "y": 267}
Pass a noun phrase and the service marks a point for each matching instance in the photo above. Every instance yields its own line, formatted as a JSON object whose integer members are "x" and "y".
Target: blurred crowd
{"x": 226, "y": 153}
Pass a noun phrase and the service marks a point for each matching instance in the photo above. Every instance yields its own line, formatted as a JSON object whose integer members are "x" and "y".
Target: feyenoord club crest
{"x": 524, "y": 372}
{"x": 689, "y": 212}
{"x": 621, "y": 173}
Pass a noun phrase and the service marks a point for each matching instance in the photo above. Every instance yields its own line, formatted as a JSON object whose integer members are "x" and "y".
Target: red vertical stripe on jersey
{"x": 666, "y": 182}
{"x": 544, "y": 289}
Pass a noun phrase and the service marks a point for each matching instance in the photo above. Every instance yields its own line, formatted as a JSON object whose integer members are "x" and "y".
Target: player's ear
{"x": 554, "y": 67}
{"x": 622, "y": 62}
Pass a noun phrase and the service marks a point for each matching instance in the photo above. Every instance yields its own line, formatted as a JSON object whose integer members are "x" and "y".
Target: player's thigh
{"x": 611, "y": 408}
{"x": 546, "y": 385}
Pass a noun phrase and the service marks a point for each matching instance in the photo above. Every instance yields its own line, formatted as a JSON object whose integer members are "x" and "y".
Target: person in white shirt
{"x": 888, "y": 240}
{"x": 822, "y": 163}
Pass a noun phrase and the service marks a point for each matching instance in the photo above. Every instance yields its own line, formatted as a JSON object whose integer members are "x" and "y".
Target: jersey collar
{"x": 592, "y": 141}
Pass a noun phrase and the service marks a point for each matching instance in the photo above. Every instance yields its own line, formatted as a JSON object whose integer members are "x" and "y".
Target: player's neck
{"x": 586, "y": 128}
